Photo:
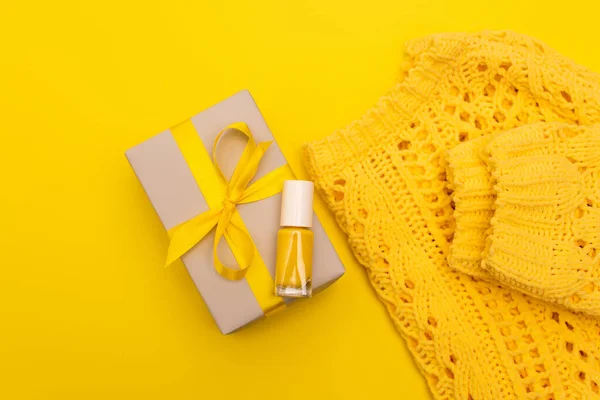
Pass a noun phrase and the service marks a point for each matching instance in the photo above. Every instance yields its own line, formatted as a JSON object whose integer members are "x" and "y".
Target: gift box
{"x": 196, "y": 175}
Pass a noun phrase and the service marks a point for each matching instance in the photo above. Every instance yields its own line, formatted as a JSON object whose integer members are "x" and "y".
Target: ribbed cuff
{"x": 473, "y": 197}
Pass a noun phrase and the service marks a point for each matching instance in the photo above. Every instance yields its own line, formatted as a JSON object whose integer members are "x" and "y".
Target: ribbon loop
{"x": 237, "y": 190}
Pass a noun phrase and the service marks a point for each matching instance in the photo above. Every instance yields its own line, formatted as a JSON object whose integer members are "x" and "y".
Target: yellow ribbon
{"x": 236, "y": 191}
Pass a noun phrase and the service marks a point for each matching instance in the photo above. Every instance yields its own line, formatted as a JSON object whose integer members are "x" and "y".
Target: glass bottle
{"x": 293, "y": 275}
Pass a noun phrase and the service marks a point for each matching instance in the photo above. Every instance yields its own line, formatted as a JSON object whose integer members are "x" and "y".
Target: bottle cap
{"x": 297, "y": 204}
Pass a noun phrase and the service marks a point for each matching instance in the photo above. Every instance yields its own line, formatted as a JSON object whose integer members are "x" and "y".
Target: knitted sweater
{"x": 478, "y": 329}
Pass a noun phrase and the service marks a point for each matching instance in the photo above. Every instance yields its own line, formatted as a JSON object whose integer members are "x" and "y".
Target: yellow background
{"x": 87, "y": 310}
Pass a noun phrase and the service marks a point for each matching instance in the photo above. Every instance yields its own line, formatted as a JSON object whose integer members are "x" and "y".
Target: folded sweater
{"x": 385, "y": 179}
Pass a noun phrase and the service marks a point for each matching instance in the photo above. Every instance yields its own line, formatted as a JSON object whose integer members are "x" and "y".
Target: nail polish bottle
{"x": 293, "y": 275}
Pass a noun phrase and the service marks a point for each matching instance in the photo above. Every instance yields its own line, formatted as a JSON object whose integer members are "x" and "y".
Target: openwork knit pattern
{"x": 384, "y": 178}
{"x": 528, "y": 211}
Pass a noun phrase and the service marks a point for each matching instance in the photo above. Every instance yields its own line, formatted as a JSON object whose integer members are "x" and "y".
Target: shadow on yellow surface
{"x": 87, "y": 309}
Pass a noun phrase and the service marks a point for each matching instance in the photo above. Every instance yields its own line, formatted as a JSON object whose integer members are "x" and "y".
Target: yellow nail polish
{"x": 293, "y": 276}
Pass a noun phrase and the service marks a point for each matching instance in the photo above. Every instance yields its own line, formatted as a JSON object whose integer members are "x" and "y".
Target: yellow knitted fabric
{"x": 472, "y": 193}
{"x": 541, "y": 184}
{"x": 384, "y": 178}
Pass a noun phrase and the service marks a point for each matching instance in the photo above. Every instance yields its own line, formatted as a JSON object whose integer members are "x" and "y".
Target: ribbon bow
{"x": 227, "y": 221}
